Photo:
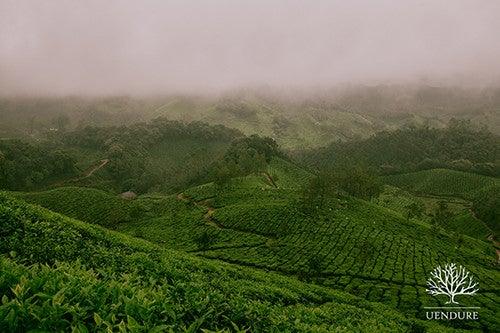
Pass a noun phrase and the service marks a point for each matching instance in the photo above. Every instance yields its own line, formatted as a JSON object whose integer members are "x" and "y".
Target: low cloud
{"x": 149, "y": 47}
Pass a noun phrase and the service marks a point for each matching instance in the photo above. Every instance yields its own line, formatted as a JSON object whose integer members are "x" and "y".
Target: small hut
{"x": 129, "y": 195}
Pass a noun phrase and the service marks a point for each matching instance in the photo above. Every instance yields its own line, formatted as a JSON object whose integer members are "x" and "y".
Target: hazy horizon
{"x": 168, "y": 47}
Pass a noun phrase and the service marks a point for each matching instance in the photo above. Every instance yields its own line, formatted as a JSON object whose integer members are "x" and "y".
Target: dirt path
{"x": 270, "y": 179}
{"x": 208, "y": 218}
{"x": 91, "y": 171}
{"x": 95, "y": 169}
{"x": 204, "y": 205}
{"x": 88, "y": 173}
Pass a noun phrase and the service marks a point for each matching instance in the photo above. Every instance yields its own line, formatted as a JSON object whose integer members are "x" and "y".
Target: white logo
{"x": 451, "y": 281}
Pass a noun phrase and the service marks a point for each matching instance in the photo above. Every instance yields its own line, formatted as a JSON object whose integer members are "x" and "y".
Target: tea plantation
{"x": 59, "y": 274}
{"x": 442, "y": 182}
{"x": 227, "y": 233}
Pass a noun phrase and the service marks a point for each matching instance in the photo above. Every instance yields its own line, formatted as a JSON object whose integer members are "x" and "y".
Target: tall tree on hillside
{"x": 205, "y": 240}
{"x": 315, "y": 193}
{"x": 356, "y": 180}
{"x": 441, "y": 215}
{"x": 415, "y": 209}
{"x": 61, "y": 122}
{"x": 486, "y": 206}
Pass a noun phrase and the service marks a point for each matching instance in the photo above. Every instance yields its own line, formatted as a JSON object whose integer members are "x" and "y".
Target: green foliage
{"x": 441, "y": 182}
{"x": 27, "y": 166}
{"x": 245, "y": 156}
{"x": 458, "y": 146}
{"x": 315, "y": 194}
{"x": 351, "y": 180}
{"x": 461, "y": 219}
{"x": 67, "y": 275}
{"x": 415, "y": 210}
{"x": 442, "y": 214}
{"x": 87, "y": 204}
{"x": 486, "y": 206}
{"x": 315, "y": 265}
{"x": 160, "y": 155}
{"x": 365, "y": 249}
{"x": 205, "y": 240}
{"x": 356, "y": 180}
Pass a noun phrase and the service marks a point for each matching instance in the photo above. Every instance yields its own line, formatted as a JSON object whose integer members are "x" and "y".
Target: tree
{"x": 205, "y": 240}
{"x": 415, "y": 209}
{"x": 451, "y": 281}
{"x": 314, "y": 194}
{"x": 315, "y": 265}
{"x": 356, "y": 180}
{"x": 442, "y": 215}
{"x": 61, "y": 122}
{"x": 366, "y": 249}
{"x": 459, "y": 239}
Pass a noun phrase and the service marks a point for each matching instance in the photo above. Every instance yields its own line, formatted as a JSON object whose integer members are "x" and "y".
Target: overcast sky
{"x": 119, "y": 47}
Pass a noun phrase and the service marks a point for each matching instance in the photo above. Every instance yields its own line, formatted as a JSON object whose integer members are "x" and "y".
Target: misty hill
{"x": 458, "y": 146}
{"x": 322, "y": 220}
{"x": 296, "y": 119}
{"x": 442, "y": 182}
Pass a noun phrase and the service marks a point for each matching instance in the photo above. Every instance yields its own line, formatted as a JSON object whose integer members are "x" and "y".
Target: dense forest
{"x": 26, "y": 166}
{"x": 459, "y": 146}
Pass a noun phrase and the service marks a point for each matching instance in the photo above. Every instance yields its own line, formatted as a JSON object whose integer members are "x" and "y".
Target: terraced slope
{"x": 361, "y": 247}
{"x": 462, "y": 220}
{"x": 59, "y": 274}
{"x": 86, "y": 204}
{"x": 442, "y": 182}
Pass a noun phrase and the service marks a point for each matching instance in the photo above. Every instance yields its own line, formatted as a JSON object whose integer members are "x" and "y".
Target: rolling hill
{"x": 222, "y": 237}
{"x": 57, "y": 273}
{"x": 361, "y": 247}
{"x": 296, "y": 119}
{"x": 442, "y": 182}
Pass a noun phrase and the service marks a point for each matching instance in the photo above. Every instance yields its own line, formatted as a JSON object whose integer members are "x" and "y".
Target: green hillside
{"x": 461, "y": 219}
{"x": 442, "y": 182}
{"x": 297, "y": 119}
{"x": 61, "y": 274}
{"x": 361, "y": 247}
{"x": 228, "y": 232}
{"x": 458, "y": 146}
{"x": 85, "y": 204}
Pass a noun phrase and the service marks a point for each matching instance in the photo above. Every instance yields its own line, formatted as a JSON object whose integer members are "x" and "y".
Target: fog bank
{"x": 143, "y": 47}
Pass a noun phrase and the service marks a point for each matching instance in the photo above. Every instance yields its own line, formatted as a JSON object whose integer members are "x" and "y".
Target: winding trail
{"x": 87, "y": 174}
{"x": 270, "y": 179}
{"x": 90, "y": 172}
{"x": 208, "y": 217}
{"x": 203, "y": 204}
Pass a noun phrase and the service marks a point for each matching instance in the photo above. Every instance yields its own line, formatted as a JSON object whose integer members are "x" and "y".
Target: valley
{"x": 239, "y": 234}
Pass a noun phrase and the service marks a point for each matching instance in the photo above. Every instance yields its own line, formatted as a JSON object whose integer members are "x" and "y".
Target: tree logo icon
{"x": 451, "y": 281}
